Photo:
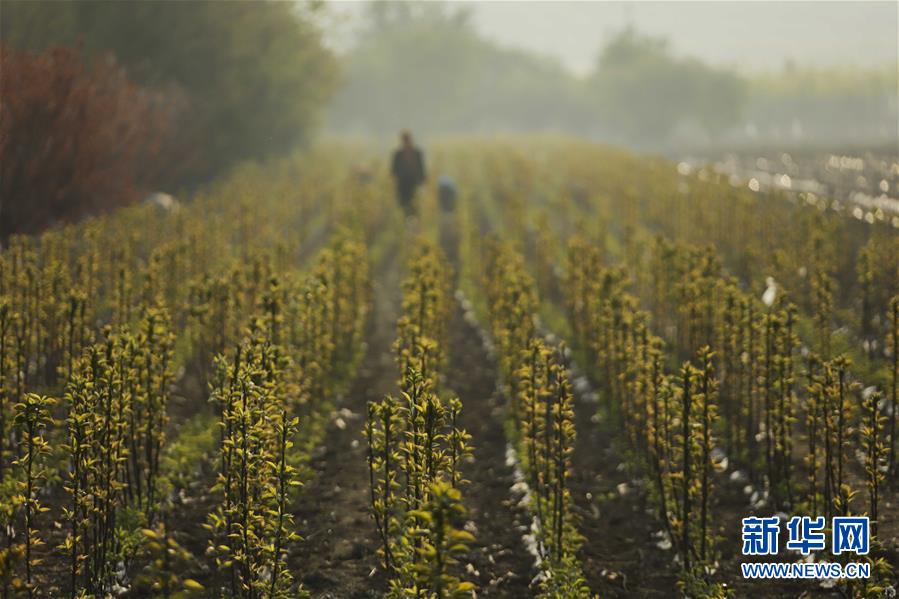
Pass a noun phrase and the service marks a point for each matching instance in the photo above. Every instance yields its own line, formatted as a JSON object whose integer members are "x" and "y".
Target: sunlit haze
{"x": 750, "y": 35}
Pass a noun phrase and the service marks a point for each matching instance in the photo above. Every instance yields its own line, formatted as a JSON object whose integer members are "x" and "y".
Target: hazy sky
{"x": 750, "y": 34}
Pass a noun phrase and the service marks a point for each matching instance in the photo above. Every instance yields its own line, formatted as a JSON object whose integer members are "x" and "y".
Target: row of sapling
{"x": 737, "y": 372}
{"x": 282, "y": 373}
{"x": 252, "y": 525}
{"x": 756, "y": 337}
{"x": 813, "y": 253}
{"x": 31, "y": 417}
{"x": 213, "y": 317}
{"x": 877, "y": 281}
{"x": 333, "y": 336}
{"x": 756, "y": 237}
{"x": 44, "y": 322}
{"x": 818, "y": 299}
{"x": 770, "y": 393}
{"x": 756, "y": 346}
{"x": 543, "y": 254}
{"x": 117, "y": 418}
{"x": 541, "y": 416}
{"x": 415, "y": 446}
{"x": 61, "y": 286}
{"x": 822, "y": 286}
{"x": 838, "y": 419}
{"x": 681, "y": 437}
{"x": 295, "y": 323}
{"x": 349, "y": 271}
{"x": 892, "y": 343}
{"x": 682, "y": 293}
{"x": 56, "y": 290}
{"x": 755, "y": 349}
{"x": 779, "y": 400}
{"x": 871, "y": 435}
{"x": 58, "y": 286}
{"x": 8, "y": 379}
{"x": 421, "y": 330}
{"x": 115, "y": 415}
{"x": 814, "y": 273}
{"x": 672, "y": 419}
{"x": 828, "y": 419}
{"x": 546, "y": 436}
{"x": 112, "y": 418}
{"x": 694, "y": 305}
{"x": 837, "y": 273}
{"x": 871, "y": 440}
{"x": 59, "y": 291}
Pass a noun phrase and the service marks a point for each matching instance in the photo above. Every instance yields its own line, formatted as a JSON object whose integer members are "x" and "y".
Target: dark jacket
{"x": 408, "y": 167}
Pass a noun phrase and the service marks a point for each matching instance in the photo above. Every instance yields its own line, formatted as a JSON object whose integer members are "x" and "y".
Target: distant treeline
{"x": 424, "y": 66}
{"x": 103, "y": 101}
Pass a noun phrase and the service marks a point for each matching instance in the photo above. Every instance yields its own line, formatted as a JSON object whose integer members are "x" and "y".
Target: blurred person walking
{"x": 408, "y": 170}
{"x": 446, "y": 193}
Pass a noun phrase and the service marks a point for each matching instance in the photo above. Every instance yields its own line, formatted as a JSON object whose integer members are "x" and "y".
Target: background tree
{"x": 644, "y": 92}
{"x": 256, "y": 73}
{"x": 75, "y": 139}
{"x": 424, "y": 66}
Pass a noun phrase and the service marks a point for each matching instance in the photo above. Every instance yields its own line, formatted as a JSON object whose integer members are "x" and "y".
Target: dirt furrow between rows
{"x": 618, "y": 555}
{"x": 501, "y": 565}
{"x": 337, "y": 558}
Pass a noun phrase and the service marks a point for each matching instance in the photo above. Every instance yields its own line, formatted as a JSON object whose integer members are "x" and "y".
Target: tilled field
{"x": 577, "y": 382}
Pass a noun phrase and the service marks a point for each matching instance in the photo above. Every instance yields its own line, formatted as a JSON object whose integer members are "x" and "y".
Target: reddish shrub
{"x": 76, "y": 139}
